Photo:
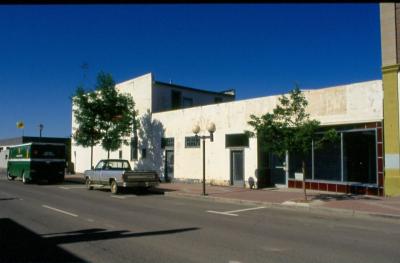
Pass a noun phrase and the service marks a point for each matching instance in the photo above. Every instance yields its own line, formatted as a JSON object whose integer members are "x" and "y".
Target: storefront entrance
{"x": 237, "y": 167}
{"x": 169, "y": 165}
{"x": 277, "y": 166}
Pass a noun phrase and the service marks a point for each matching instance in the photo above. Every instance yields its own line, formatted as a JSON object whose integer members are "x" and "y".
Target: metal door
{"x": 169, "y": 165}
{"x": 277, "y": 168}
{"x": 97, "y": 171}
{"x": 237, "y": 167}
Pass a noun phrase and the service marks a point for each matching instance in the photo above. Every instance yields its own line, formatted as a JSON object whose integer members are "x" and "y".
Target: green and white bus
{"x": 37, "y": 161}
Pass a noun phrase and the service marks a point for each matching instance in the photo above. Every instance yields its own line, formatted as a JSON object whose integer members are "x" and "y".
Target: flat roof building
{"x": 167, "y": 144}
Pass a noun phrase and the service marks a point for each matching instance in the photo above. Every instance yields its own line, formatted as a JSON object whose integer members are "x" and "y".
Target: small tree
{"x": 117, "y": 114}
{"x": 85, "y": 109}
{"x": 289, "y": 129}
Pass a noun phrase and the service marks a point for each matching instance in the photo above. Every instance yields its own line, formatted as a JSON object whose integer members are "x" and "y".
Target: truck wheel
{"x": 9, "y": 177}
{"x": 88, "y": 184}
{"x": 24, "y": 179}
{"x": 114, "y": 187}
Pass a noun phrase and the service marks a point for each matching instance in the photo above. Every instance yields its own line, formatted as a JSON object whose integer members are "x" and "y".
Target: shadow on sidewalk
{"x": 341, "y": 197}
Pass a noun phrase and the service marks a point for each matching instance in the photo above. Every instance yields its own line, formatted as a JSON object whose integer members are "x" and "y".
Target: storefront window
{"x": 296, "y": 163}
{"x": 355, "y": 162}
{"x": 327, "y": 162}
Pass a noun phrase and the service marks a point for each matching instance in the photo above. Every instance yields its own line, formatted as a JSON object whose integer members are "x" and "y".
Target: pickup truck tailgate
{"x": 140, "y": 176}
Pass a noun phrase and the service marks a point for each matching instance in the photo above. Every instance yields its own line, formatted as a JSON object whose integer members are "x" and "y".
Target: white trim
{"x": 36, "y": 160}
{"x": 37, "y": 143}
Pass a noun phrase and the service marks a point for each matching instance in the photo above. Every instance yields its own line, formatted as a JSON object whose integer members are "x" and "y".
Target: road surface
{"x": 67, "y": 223}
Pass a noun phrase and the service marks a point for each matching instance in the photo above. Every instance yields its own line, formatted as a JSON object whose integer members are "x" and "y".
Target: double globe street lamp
{"x": 211, "y": 129}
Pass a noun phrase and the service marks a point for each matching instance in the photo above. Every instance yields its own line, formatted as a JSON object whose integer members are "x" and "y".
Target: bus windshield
{"x": 47, "y": 151}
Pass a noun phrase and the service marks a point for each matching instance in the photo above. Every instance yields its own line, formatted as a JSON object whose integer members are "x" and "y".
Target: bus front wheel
{"x": 10, "y": 177}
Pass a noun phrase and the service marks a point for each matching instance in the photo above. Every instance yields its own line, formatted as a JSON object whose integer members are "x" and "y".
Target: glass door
{"x": 169, "y": 165}
{"x": 237, "y": 167}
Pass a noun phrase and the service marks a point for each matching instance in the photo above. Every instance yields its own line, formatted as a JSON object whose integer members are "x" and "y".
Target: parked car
{"x": 118, "y": 174}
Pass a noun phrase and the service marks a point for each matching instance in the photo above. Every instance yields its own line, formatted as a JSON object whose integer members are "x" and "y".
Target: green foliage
{"x": 85, "y": 109}
{"x": 104, "y": 115}
{"x": 288, "y": 127}
{"x": 117, "y": 114}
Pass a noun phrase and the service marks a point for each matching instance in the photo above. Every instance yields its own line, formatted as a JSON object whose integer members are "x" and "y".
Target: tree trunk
{"x": 108, "y": 154}
{"x": 304, "y": 179}
{"x": 91, "y": 156}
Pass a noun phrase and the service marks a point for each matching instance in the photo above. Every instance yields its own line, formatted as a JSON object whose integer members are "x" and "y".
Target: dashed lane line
{"x": 59, "y": 210}
{"x": 117, "y": 196}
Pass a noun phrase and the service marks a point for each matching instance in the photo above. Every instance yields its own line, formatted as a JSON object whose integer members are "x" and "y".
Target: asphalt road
{"x": 67, "y": 223}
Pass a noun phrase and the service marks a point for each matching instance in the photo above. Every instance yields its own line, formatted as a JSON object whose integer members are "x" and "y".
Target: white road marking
{"x": 221, "y": 213}
{"x": 247, "y": 209}
{"x": 232, "y": 213}
{"x": 117, "y": 196}
{"x": 72, "y": 187}
{"x": 90, "y": 220}
{"x": 60, "y": 211}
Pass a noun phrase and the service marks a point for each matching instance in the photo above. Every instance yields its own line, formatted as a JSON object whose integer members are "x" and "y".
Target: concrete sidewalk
{"x": 325, "y": 201}
{"x": 282, "y": 197}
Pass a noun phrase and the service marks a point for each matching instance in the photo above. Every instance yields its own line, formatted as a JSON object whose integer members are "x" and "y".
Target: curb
{"x": 295, "y": 206}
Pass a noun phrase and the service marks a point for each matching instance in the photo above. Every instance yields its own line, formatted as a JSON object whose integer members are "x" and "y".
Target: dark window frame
{"x": 134, "y": 148}
{"x": 192, "y": 142}
{"x": 176, "y": 99}
{"x": 242, "y": 140}
{"x": 187, "y": 99}
{"x": 167, "y": 142}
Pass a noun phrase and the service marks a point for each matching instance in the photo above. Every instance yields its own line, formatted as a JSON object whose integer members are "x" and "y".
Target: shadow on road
{"x": 7, "y": 198}
{"x": 19, "y": 244}
{"x": 102, "y": 234}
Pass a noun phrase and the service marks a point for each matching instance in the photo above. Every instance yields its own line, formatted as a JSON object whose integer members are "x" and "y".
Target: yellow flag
{"x": 20, "y": 125}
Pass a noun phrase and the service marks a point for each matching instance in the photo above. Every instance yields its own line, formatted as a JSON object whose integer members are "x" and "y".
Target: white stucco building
{"x": 166, "y": 143}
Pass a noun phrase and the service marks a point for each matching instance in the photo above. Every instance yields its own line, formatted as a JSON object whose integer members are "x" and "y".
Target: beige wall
{"x": 140, "y": 89}
{"x": 354, "y": 103}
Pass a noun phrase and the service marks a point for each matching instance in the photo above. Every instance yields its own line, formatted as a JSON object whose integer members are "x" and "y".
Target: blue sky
{"x": 258, "y": 49}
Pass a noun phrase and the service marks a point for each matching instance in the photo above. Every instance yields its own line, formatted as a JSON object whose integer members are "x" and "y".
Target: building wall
{"x": 390, "y": 34}
{"x": 140, "y": 89}
{"x": 162, "y": 97}
{"x": 354, "y": 103}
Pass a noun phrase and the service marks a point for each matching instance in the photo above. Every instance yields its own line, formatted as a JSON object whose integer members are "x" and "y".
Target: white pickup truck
{"x": 118, "y": 173}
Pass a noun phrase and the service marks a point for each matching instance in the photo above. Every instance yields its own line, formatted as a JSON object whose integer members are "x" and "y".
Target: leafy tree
{"x": 103, "y": 116}
{"x": 289, "y": 129}
{"x": 117, "y": 114}
{"x": 85, "y": 109}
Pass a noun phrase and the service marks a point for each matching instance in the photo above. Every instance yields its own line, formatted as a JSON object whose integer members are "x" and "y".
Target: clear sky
{"x": 258, "y": 49}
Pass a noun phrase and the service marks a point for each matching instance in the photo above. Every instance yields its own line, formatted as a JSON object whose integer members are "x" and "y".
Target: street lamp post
{"x": 211, "y": 129}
